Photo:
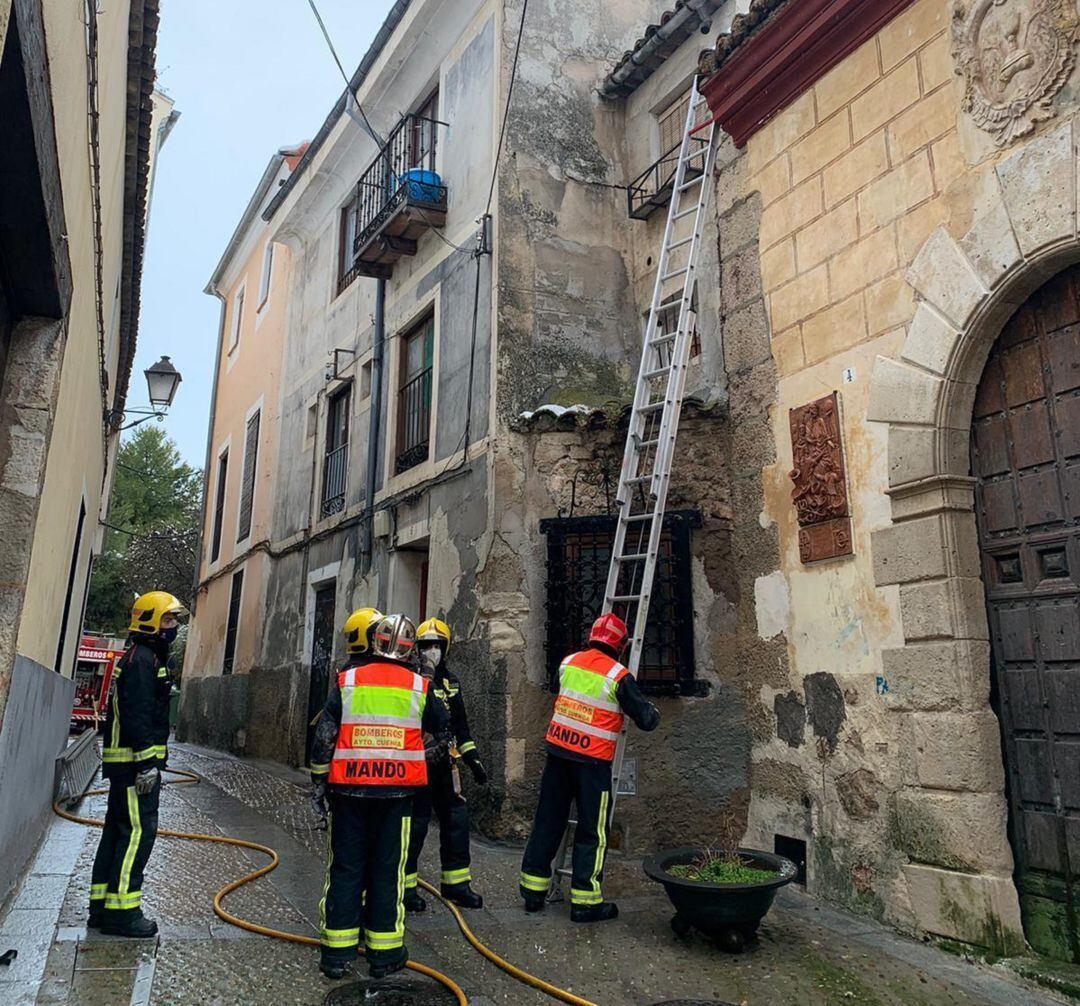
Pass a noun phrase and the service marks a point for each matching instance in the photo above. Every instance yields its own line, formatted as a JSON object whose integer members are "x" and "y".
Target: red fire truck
{"x": 93, "y": 676}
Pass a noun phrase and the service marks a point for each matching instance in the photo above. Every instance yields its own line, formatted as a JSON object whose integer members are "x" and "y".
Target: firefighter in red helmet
{"x": 595, "y": 692}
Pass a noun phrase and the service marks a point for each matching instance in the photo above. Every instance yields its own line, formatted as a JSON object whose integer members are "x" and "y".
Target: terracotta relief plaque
{"x": 1015, "y": 56}
{"x": 820, "y": 493}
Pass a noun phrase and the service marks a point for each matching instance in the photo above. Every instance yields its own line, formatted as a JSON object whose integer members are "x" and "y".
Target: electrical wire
{"x": 506, "y": 108}
{"x": 191, "y": 778}
{"x": 344, "y": 76}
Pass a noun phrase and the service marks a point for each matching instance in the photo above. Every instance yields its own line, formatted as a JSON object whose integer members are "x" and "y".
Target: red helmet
{"x": 610, "y": 630}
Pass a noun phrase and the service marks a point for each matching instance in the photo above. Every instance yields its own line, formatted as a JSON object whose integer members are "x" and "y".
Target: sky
{"x": 248, "y": 77}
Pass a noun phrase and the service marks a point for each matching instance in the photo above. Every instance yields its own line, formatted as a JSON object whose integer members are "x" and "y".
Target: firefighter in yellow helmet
{"x": 133, "y": 754}
{"x": 369, "y": 752}
{"x": 443, "y": 791}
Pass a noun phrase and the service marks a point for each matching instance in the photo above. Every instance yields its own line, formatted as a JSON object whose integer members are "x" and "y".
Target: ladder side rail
{"x": 642, "y": 392}
{"x": 670, "y": 422}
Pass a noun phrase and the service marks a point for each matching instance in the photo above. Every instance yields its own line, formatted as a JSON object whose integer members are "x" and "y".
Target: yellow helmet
{"x": 357, "y": 627}
{"x": 148, "y": 609}
{"x": 434, "y": 630}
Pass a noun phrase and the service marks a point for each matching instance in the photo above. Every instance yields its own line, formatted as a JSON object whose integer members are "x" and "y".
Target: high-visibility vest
{"x": 587, "y": 718}
{"x": 380, "y": 741}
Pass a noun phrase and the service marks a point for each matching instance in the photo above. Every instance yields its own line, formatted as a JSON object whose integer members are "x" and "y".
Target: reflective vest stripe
{"x": 379, "y": 754}
{"x": 587, "y": 719}
{"x": 390, "y": 721}
{"x": 566, "y": 721}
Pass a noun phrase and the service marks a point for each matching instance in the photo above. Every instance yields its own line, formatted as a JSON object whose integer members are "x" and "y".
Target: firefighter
{"x": 367, "y": 762}
{"x": 443, "y": 791}
{"x": 133, "y": 753}
{"x": 595, "y": 691}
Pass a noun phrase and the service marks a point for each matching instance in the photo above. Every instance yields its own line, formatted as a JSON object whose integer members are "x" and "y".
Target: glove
{"x": 146, "y": 781}
{"x": 479, "y": 773}
{"x": 318, "y": 798}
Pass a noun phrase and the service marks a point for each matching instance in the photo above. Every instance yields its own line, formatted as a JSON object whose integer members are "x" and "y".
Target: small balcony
{"x": 652, "y": 188}
{"x": 398, "y": 198}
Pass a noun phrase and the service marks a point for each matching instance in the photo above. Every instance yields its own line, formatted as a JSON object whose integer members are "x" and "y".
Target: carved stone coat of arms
{"x": 1015, "y": 56}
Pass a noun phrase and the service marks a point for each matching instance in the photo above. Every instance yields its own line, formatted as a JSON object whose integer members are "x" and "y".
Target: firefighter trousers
{"x": 588, "y": 785}
{"x": 452, "y": 811}
{"x": 127, "y": 836}
{"x": 367, "y": 842}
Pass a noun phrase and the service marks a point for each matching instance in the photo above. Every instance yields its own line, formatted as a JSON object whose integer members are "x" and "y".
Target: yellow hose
{"x": 190, "y": 778}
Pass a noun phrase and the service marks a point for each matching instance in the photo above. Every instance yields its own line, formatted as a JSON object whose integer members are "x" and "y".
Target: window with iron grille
{"x": 667, "y": 319}
{"x": 414, "y": 396}
{"x": 219, "y": 505}
{"x": 233, "y": 625}
{"x": 247, "y": 481}
{"x": 347, "y": 239}
{"x": 578, "y": 557}
{"x": 336, "y": 459}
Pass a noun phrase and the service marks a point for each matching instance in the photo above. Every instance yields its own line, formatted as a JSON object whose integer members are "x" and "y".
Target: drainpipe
{"x": 374, "y": 419}
{"x": 701, "y": 10}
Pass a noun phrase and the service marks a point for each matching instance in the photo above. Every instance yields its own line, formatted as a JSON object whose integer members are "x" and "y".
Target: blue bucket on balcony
{"x": 424, "y": 186}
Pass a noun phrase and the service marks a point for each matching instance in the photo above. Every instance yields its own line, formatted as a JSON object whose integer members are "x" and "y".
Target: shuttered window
{"x": 219, "y": 505}
{"x": 233, "y": 625}
{"x": 247, "y": 486}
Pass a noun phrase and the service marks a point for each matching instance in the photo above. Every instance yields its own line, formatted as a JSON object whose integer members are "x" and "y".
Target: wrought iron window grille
{"x": 578, "y": 556}
{"x": 652, "y": 188}
{"x": 414, "y": 421}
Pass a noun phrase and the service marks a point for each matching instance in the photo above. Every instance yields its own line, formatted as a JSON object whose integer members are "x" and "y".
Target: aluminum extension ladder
{"x": 654, "y": 420}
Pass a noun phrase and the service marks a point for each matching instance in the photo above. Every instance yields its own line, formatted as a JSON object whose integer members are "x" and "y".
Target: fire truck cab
{"x": 93, "y": 677}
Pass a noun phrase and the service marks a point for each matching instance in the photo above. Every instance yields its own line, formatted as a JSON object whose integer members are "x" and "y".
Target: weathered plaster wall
{"x": 267, "y": 714}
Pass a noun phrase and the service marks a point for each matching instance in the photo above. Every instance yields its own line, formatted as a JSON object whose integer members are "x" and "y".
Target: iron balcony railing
{"x": 652, "y": 188}
{"x": 414, "y": 422}
{"x": 334, "y": 471}
{"x": 397, "y": 175}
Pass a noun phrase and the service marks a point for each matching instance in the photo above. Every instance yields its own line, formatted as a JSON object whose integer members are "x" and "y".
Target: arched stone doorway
{"x": 951, "y": 811}
{"x": 1025, "y": 458}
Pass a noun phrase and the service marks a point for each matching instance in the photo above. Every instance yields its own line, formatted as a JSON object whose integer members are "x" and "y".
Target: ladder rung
{"x": 696, "y": 180}
{"x": 650, "y": 375}
{"x": 652, "y": 407}
{"x": 639, "y": 480}
{"x": 685, "y": 213}
{"x": 644, "y": 445}
{"x": 676, "y": 272}
{"x": 661, "y": 339}
{"x": 638, "y": 517}
{"x": 623, "y": 598}
{"x": 680, "y": 243}
{"x": 635, "y": 557}
{"x": 698, "y": 152}
{"x": 565, "y": 871}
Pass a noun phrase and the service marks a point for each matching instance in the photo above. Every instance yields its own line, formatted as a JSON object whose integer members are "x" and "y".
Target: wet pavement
{"x": 808, "y": 954}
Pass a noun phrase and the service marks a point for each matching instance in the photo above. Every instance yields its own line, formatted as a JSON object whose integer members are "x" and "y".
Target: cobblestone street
{"x": 808, "y": 955}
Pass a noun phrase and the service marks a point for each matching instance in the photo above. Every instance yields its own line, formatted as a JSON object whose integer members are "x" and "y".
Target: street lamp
{"x": 162, "y": 380}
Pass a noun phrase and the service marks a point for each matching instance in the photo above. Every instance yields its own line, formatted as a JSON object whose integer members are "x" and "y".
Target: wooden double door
{"x": 1026, "y": 461}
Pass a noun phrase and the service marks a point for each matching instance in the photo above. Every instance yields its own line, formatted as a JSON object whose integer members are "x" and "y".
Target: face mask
{"x": 431, "y": 655}
{"x": 168, "y": 635}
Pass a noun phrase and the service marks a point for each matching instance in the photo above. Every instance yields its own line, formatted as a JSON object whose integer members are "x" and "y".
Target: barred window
{"x": 579, "y": 553}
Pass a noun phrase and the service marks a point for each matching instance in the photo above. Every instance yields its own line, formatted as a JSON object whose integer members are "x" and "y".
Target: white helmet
{"x": 394, "y": 637}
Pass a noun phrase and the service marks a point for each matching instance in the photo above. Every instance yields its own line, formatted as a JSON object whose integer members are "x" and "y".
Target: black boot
{"x": 462, "y": 895}
{"x": 594, "y": 913}
{"x": 534, "y": 902}
{"x": 137, "y": 927}
{"x": 387, "y": 965}
{"x": 95, "y": 919}
{"x": 333, "y": 968}
{"x": 412, "y": 900}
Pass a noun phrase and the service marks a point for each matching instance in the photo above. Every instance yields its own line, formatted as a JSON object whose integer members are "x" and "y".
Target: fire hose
{"x": 191, "y": 778}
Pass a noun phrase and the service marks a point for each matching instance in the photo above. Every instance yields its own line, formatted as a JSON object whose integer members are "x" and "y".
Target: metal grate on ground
{"x": 392, "y": 992}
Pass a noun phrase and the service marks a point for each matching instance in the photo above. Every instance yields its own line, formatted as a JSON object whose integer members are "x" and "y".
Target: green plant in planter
{"x": 722, "y": 864}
